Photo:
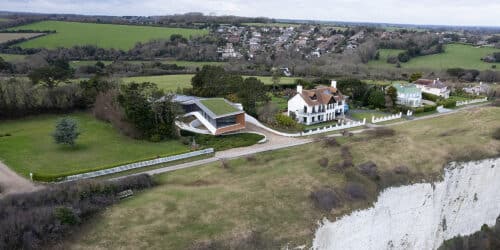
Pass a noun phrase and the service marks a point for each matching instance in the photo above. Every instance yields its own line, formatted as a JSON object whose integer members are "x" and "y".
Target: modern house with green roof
{"x": 215, "y": 115}
{"x": 408, "y": 94}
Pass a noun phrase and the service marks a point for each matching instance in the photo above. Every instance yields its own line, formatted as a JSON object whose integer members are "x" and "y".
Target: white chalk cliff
{"x": 421, "y": 216}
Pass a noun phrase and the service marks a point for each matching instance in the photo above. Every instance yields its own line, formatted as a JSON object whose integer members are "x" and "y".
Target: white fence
{"x": 461, "y": 103}
{"x": 138, "y": 165}
{"x": 409, "y": 113}
{"x": 386, "y": 118}
{"x": 346, "y": 125}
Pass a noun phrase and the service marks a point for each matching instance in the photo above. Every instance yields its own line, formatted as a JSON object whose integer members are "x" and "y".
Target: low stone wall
{"x": 462, "y": 103}
{"x": 386, "y": 118}
{"x": 137, "y": 165}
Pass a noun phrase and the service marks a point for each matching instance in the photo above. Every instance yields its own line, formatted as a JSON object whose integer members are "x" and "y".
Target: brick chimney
{"x": 334, "y": 83}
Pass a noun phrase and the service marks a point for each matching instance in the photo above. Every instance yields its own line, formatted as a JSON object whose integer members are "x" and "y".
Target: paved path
{"x": 274, "y": 142}
{"x": 11, "y": 182}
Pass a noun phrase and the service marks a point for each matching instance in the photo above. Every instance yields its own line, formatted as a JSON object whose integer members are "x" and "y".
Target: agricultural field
{"x": 279, "y": 25}
{"x": 12, "y": 57}
{"x": 455, "y": 56}
{"x": 5, "y": 37}
{"x": 101, "y": 35}
{"x": 30, "y": 147}
{"x": 269, "y": 193}
{"x": 2, "y": 20}
{"x": 173, "y": 82}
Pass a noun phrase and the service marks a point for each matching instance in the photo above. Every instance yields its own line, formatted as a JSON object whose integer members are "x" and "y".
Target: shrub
{"x": 430, "y": 97}
{"x": 418, "y": 110}
{"x": 225, "y": 164}
{"x": 381, "y": 132}
{"x": 287, "y": 122}
{"x": 30, "y": 220}
{"x": 355, "y": 190}
{"x": 392, "y": 59}
{"x": 323, "y": 162}
{"x": 430, "y": 108}
{"x": 496, "y": 134}
{"x": 330, "y": 142}
{"x": 66, "y": 131}
{"x": 496, "y": 103}
{"x": 66, "y": 215}
{"x": 325, "y": 199}
{"x": 401, "y": 170}
{"x": 369, "y": 169}
{"x": 448, "y": 103}
{"x": 404, "y": 57}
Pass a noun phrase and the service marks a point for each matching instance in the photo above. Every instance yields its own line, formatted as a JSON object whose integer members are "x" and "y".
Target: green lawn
{"x": 269, "y": 193}
{"x": 455, "y": 55}
{"x": 218, "y": 106}
{"x": 101, "y": 35}
{"x": 172, "y": 82}
{"x": 30, "y": 148}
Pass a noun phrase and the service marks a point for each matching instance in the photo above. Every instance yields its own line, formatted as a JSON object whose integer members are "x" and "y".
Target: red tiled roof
{"x": 321, "y": 95}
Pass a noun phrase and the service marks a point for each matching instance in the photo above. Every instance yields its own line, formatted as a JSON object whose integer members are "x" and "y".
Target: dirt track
{"x": 10, "y": 182}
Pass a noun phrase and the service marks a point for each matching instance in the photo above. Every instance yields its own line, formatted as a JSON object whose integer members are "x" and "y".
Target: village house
{"x": 408, "y": 94}
{"x": 323, "y": 103}
{"x": 435, "y": 87}
{"x": 481, "y": 89}
{"x": 215, "y": 115}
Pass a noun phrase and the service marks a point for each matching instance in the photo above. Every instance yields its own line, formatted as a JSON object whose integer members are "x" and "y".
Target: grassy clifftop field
{"x": 455, "y": 56}
{"x": 102, "y": 35}
{"x": 269, "y": 192}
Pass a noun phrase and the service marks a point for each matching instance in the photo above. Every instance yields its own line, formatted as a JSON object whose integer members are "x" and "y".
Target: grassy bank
{"x": 123, "y": 37}
{"x": 269, "y": 192}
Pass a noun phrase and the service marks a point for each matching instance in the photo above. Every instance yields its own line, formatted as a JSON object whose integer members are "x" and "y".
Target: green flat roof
{"x": 218, "y": 106}
{"x": 406, "y": 88}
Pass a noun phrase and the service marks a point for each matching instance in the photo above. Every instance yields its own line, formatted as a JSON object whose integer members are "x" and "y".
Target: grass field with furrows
{"x": 69, "y": 34}
{"x": 5, "y": 37}
{"x": 269, "y": 192}
{"x": 455, "y": 56}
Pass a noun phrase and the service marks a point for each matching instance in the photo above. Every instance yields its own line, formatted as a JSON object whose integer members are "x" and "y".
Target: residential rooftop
{"x": 406, "y": 88}
{"x": 219, "y": 106}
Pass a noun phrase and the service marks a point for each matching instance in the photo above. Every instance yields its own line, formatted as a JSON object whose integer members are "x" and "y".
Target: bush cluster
{"x": 487, "y": 238}
{"x": 37, "y": 219}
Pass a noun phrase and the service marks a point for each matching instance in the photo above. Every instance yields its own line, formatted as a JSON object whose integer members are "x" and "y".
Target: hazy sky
{"x": 453, "y": 12}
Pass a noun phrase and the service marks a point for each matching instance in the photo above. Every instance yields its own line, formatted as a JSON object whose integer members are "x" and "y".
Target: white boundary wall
{"x": 462, "y": 103}
{"x": 347, "y": 125}
{"x": 137, "y": 165}
{"x": 386, "y": 118}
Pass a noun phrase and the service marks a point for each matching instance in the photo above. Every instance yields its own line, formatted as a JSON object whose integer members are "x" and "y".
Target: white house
{"x": 435, "y": 87}
{"x": 317, "y": 105}
{"x": 481, "y": 89}
{"x": 408, "y": 94}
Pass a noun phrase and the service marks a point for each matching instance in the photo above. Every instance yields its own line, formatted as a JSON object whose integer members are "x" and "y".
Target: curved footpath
{"x": 11, "y": 182}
